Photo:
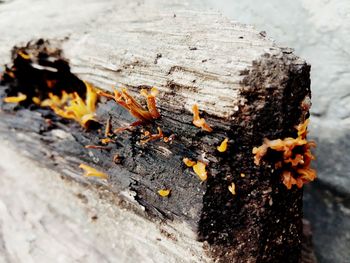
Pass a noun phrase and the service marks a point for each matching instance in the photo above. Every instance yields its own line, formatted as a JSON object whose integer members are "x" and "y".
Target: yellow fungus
{"x": 223, "y": 146}
{"x": 151, "y": 137}
{"x": 296, "y": 164}
{"x": 200, "y": 169}
{"x": 36, "y": 100}
{"x": 92, "y": 172}
{"x": 199, "y": 122}
{"x": 106, "y": 140}
{"x": 117, "y": 158}
{"x": 169, "y": 139}
{"x": 23, "y": 55}
{"x": 188, "y": 162}
{"x": 10, "y": 73}
{"x": 164, "y": 192}
{"x": 72, "y": 106}
{"x": 124, "y": 99}
{"x": 302, "y": 128}
{"x": 242, "y": 175}
{"x": 151, "y": 101}
{"x": 232, "y": 188}
{"x": 15, "y": 99}
{"x": 108, "y": 127}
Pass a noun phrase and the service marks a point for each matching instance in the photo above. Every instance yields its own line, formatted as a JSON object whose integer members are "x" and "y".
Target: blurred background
{"x": 319, "y": 31}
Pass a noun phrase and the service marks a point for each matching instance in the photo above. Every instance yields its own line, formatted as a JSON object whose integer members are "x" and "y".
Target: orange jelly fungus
{"x": 296, "y": 157}
{"x": 23, "y": 55}
{"x": 151, "y": 137}
{"x": 108, "y": 127}
{"x": 137, "y": 110}
{"x": 198, "y": 121}
{"x": 151, "y": 101}
{"x": 92, "y": 172}
{"x": 200, "y": 169}
{"x": 107, "y": 140}
{"x": 232, "y": 188}
{"x": 72, "y": 106}
{"x": 223, "y": 146}
{"x": 36, "y": 100}
{"x": 188, "y": 162}
{"x": 16, "y": 99}
{"x": 164, "y": 192}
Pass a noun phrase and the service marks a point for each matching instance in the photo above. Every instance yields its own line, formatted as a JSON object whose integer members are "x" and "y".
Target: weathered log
{"x": 246, "y": 87}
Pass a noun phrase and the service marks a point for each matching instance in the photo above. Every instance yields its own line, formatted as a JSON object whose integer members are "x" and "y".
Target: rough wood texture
{"x": 45, "y": 218}
{"x": 248, "y": 88}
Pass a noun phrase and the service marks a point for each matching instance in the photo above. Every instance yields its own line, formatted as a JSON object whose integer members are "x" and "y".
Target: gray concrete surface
{"x": 319, "y": 31}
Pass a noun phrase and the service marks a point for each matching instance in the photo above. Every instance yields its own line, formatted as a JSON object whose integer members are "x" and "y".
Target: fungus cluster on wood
{"x": 72, "y": 106}
{"x": 128, "y": 102}
{"x": 74, "y": 99}
{"x": 36, "y": 76}
{"x": 199, "y": 168}
{"x": 295, "y": 157}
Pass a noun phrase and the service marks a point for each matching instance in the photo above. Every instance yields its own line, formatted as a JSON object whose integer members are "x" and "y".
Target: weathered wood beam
{"x": 246, "y": 87}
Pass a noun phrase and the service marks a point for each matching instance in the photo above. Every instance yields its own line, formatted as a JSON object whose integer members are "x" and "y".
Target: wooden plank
{"x": 247, "y": 87}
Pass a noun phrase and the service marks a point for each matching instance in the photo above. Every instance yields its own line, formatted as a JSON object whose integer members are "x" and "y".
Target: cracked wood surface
{"x": 197, "y": 55}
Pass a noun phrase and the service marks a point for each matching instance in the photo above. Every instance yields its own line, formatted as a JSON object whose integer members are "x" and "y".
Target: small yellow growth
{"x": 200, "y": 169}
{"x": 198, "y": 121}
{"x": 151, "y": 101}
{"x": 92, "y": 172}
{"x": 164, "y": 192}
{"x": 16, "y": 99}
{"x": 232, "y": 188}
{"x": 108, "y": 127}
{"x": 188, "y": 162}
{"x": 242, "y": 175}
{"x": 23, "y": 55}
{"x": 106, "y": 140}
{"x": 169, "y": 139}
{"x": 36, "y": 100}
{"x": 223, "y": 146}
{"x": 10, "y": 73}
{"x": 72, "y": 106}
{"x": 147, "y": 136}
{"x": 302, "y": 129}
{"x": 56, "y": 101}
